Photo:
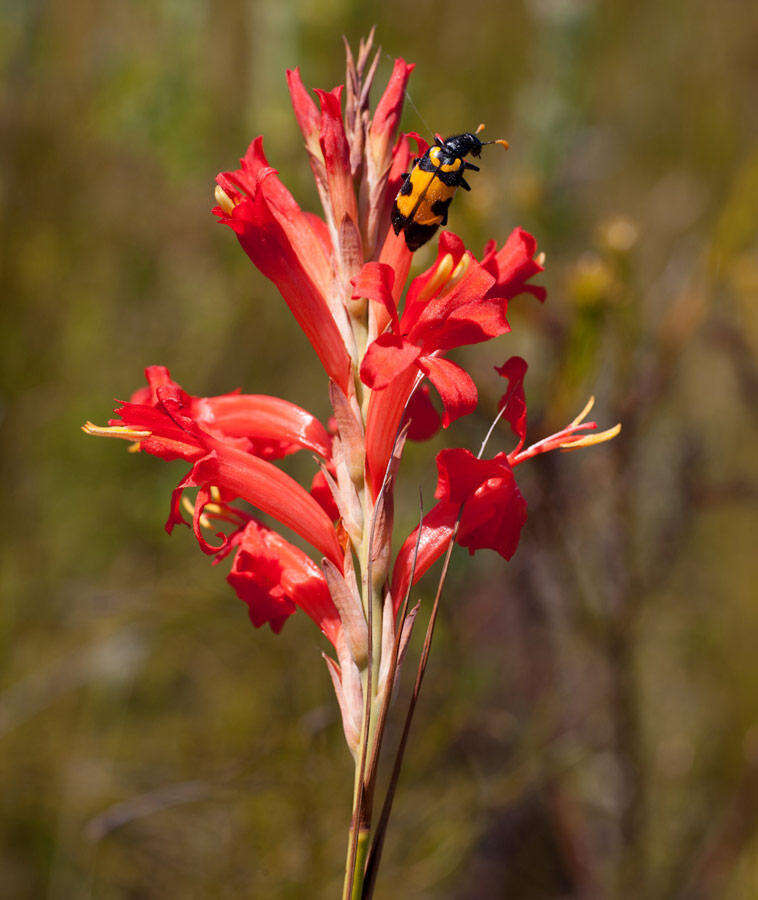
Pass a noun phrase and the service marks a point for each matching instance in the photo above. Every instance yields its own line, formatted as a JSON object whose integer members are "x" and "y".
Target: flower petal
{"x": 514, "y": 265}
{"x": 436, "y": 530}
{"x": 513, "y": 400}
{"x": 270, "y": 490}
{"x": 375, "y": 282}
{"x": 455, "y": 387}
{"x": 424, "y": 419}
{"x": 493, "y": 509}
{"x": 385, "y": 411}
{"x": 270, "y": 246}
{"x": 336, "y": 153}
{"x": 274, "y": 427}
{"x": 387, "y": 358}
{"x": 274, "y": 577}
{"x": 306, "y": 112}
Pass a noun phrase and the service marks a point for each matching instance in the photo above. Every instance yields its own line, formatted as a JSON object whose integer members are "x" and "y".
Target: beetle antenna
{"x": 500, "y": 141}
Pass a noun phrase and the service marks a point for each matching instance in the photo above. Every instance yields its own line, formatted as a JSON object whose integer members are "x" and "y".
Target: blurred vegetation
{"x": 589, "y": 726}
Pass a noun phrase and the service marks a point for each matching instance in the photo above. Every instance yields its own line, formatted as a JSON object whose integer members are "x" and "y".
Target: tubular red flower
{"x": 266, "y": 426}
{"x": 166, "y": 427}
{"x": 285, "y": 246}
{"x": 492, "y": 513}
{"x": 273, "y": 577}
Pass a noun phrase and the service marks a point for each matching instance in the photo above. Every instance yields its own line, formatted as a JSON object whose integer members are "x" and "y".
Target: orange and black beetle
{"x": 423, "y": 200}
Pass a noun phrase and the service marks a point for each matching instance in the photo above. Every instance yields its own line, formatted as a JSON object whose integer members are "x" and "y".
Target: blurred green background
{"x": 589, "y": 725}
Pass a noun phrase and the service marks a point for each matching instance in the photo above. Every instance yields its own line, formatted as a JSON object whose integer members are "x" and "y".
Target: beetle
{"x": 427, "y": 190}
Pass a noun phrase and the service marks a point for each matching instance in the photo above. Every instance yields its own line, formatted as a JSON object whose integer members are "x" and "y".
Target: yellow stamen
{"x": 215, "y": 492}
{"x": 134, "y": 448}
{"x": 440, "y": 277}
{"x": 540, "y": 259}
{"x": 224, "y": 200}
{"x": 584, "y": 413}
{"x": 590, "y": 439}
{"x": 126, "y": 432}
{"x": 460, "y": 270}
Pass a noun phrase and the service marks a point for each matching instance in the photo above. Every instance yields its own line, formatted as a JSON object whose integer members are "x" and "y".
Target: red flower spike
{"x": 273, "y": 577}
{"x": 513, "y": 401}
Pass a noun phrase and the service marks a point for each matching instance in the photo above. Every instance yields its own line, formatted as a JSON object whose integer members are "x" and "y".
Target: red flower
{"x": 170, "y": 425}
{"x": 457, "y": 301}
{"x": 293, "y": 249}
{"x": 484, "y": 493}
{"x": 265, "y": 426}
{"x": 273, "y": 578}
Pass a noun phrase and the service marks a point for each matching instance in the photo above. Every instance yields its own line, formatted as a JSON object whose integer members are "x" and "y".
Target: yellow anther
{"x": 540, "y": 259}
{"x": 584, "y": 413}
{"x": 440, "y": 277}
{"x": 189, "y": 506}
{"x": 126, "y": 432}
{"x": 460, "y": 270}
{"x": 134, "y": 448}
{"x": 224, "y": 200}
{"x": 215, "y": 492}
{"x": 590, "y": 439}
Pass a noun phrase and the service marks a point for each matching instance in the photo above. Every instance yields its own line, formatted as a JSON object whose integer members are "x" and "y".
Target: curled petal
{"x": 493, "y": 510}
{"x": 422, "y": 288}
{"x": 387, "y": 358}
{"x": 429, "y": 330}
{"x": 455, "y": 387}
{"x": 513, "y": 401}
